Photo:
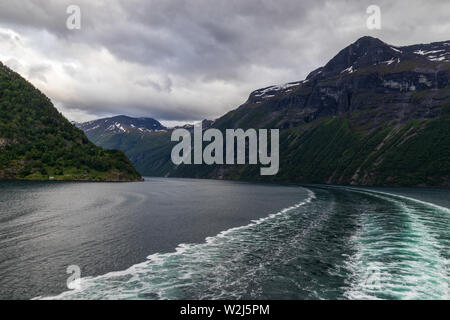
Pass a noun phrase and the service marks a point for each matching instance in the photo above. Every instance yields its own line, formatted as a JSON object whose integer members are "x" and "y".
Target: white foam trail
{"x": 311, "y": 196}
{"x": 417, "y": 270}
{"x": 157, "y": 260}
{"x": 402, "y": 197}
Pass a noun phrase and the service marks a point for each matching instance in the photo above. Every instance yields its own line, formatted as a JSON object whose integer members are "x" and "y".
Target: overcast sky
{"x": 178, "y": 60}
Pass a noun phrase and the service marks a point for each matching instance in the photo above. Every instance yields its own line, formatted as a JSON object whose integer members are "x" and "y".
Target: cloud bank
{"x": 184, "y": 60}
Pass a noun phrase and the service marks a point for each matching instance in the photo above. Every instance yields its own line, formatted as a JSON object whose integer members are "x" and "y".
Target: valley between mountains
{"x": 375, "y": 114}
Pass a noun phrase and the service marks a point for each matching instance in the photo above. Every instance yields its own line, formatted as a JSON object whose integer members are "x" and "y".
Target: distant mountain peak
{"x": 368, "y": 41}
{"x": 121, "y": 124}
{"x": 363, "y": 52}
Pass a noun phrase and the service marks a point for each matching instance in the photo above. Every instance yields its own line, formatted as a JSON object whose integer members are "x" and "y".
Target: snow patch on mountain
{"x": 121, "y": 125}
{"x": 392, "y": 60}
{"x": 396, "y": 50}
{"x": 349, "y": 70}
{"x": 435, "y": 55}
{"x": 272, "y": 91}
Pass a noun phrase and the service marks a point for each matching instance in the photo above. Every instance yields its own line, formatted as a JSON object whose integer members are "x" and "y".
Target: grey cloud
{"x": 14, "y": 64}
{"x": 158, "y": 111}
{"x": 38, "y": 72}
{"x": 228, "y": 47}
{"x": 69, "y": 69}
{"x": 164, "y": 85}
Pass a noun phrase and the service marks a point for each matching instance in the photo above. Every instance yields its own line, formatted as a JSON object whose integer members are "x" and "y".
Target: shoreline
{"x": 70, "y": 180}
{"x": 299, "y": 183}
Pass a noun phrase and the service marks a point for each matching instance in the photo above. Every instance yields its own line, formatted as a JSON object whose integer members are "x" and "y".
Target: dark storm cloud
{"x": 191, "y": 59}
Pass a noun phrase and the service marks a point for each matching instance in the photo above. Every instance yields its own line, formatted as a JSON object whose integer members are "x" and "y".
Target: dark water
{"x": 101, "y": 227}
{"x": 200, "y": 239}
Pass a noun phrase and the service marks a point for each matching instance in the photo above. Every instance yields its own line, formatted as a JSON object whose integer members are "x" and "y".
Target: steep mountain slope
{"x": 400, "y": 83}
{"x": 375, "y": 114}
{"x": 134, "y": 136}
{"x": 145, "y": 141}
{"x": 38, "y": 143}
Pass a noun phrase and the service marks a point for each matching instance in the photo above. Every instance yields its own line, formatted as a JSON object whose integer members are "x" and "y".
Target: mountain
{"x": 119, "y": 132}
{"x": 134, "y": 136}
{"x": 38, "y": 143}
{"x": 98, "y": 129}
{"x": 368, "y": 76}
{"x": 375, "y": 114}
{"x": 144, "y": 140}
